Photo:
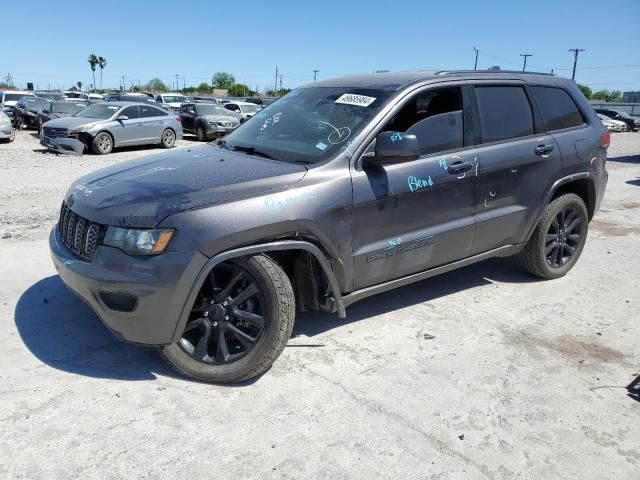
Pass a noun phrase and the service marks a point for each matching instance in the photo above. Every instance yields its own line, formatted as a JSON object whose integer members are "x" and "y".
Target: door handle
{"x": 139, "y": 124}
{"x": 459, "y": 167}
{"x": 543, "y": 150}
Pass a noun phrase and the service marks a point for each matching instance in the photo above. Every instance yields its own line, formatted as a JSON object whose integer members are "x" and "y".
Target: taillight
{"x": 606, "y": 139}
{"x": 180, "y": 121}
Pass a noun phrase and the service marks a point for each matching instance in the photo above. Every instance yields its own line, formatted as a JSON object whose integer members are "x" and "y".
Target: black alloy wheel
{"x": 563, "y": 237}
{"x": 227, "y": 319}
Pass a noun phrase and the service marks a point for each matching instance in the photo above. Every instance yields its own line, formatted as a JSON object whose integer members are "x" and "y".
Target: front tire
{"x": 559, "y": 237}
{"x": 201, "y": 134}
{"x": 239, "y": 324}
{"x": 102, "y": 144}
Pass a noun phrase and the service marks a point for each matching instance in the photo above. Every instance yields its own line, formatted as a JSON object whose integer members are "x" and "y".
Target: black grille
{"x": 54, "y": 132}
{"x": 80, "y": 235}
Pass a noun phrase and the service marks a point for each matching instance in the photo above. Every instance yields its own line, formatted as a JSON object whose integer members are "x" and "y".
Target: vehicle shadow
{"x": 633, "y": 389}
{"x": 63, "y": 332}
{"x": 625, "y": 159}
{"x": 483, "y": 273}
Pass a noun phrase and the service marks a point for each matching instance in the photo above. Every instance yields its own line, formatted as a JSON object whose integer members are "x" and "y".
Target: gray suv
{"x": 337, "y": 191}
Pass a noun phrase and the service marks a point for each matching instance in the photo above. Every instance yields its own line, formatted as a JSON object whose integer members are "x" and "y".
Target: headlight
{"x": 134, "y": 241}
{"x": 84, "y": 128}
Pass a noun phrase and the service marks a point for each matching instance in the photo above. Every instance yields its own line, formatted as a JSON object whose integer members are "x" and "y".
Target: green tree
{"x": 607, "y": 96}
{"x": 93, "y": 63}
{"x": 156, "y": 85}
{"x": 204, "y": 87}
{"x": 586, "y": 91}
{"x": 102, "y": 62}
{"x": 240, "y": 90}
{"x": 223, "y": 80}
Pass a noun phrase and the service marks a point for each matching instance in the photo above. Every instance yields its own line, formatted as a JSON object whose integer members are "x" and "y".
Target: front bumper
{"x": 217, "y": 131}
{"x": 68, "y": 145}
{"x": 160, "y": 285}
{"x": 6, "y": 132}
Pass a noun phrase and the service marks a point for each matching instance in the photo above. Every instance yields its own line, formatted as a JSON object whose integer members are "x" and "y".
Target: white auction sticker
{"x": 357, "y": 100}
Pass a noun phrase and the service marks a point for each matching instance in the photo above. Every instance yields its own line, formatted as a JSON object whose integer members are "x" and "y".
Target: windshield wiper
{"x": 250, "y": 151}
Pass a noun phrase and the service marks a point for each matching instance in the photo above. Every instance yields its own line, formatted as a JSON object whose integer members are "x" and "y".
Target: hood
{"x": 141, "y": 193}
{"x": 220, "y": 118}
{"x": 71, "y": 122}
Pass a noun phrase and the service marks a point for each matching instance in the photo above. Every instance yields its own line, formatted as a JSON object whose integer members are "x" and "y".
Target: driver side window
{"x": 435, "y": 117}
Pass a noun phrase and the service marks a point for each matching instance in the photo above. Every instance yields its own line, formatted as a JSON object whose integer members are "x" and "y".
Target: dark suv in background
{"x": 633, "y": 124}
{"x": 207, "y": 120}
{"x": 339, "y": 190}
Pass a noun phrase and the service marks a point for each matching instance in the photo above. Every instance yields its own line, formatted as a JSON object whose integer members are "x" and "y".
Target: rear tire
{"x": 102, "y": 144}
{"x": 558, "y": 240}
{"x": 168, "y": 138}
{"x": 257, "y": 326}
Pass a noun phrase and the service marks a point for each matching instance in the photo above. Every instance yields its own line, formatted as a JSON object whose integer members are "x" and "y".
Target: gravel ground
{"x": 34, "y": 182}
{"x": 481, "y": 373}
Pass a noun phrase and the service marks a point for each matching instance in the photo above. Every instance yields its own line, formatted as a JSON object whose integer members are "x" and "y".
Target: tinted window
{"x": 148, "y": 111}
{"x": 504, "y": 113}
{"x": 131, "y": 112}
{"x": 434, "y": 117}
{"x": 557, "y": 107}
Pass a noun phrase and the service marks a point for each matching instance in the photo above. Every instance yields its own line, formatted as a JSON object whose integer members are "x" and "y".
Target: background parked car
{"x": 207, "y": 120}
{"x": 90, "y": 97}
{"x": 7, "y": 132}
{"x": 172, "y": 100}
{"x": 8, "y": 99}
{"x": 51, "y": 95}
{"x": 103, "y": 126}
{"x": 25, "y": 112}
{"x": 245, "y": 109}
{"x": 632, "y": 123}
{"x": 611, "y": 124}
{"x": 51, "y": 110}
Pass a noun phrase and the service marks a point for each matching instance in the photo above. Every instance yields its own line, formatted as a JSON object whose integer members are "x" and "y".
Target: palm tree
{"x": 93, "y": 62}
{"x": 79, "y": 86}
{"x": 102, "y": 62}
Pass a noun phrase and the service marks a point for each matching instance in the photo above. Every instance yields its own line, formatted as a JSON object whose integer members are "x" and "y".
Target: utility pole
{"x": 575, "y": 51}
{"x": 315, "y": 75}
{"x": 280, "y": 81}
{"x": 177, "y": 83}
{"x": 525, "y": 55}
{"x": 124, "y": 85}
{"x": 275, "y": 85}
{"x": 476, "y": 51}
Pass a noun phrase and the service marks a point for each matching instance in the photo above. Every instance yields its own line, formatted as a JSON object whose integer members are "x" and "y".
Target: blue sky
{"x": 49, "y": 42}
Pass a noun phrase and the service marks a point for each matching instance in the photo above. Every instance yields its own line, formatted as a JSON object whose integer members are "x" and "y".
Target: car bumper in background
{"x": 6, "y": 132}
{"x": 140, "y": 299}
{"x": 68, "y": 145}
{"x": 213, "y": 132}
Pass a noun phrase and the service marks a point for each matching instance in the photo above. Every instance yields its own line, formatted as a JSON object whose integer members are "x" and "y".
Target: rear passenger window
{"x": 148, "y": 111}
{"x": 558, "y": 108}
{"x": 505, "y": 113}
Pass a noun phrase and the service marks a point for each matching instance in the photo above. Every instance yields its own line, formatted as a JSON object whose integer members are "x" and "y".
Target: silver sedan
{"x": 102, "y": 127}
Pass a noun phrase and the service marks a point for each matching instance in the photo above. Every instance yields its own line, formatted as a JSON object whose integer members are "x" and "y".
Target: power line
{"x": 575, "y": 51}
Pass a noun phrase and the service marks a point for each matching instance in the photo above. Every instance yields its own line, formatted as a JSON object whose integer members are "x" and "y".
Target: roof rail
{"x": 455, "y": 72}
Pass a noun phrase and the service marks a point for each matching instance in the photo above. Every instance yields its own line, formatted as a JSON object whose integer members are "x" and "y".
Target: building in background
{"x": 631, "y": 97}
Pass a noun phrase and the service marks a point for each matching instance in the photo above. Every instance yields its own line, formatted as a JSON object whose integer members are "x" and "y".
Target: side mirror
{"x": 45, "y": 111}
{"x": 122, "y": 117}
{"x": 391, "y": 148}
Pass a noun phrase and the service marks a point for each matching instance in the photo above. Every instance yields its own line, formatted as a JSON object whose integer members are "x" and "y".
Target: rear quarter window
{"x": 505, "y": 113}
{"x": 558, "y": 108}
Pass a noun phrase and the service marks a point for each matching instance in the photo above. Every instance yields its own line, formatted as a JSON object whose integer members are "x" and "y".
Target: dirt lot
{"x": 480, "y": 373}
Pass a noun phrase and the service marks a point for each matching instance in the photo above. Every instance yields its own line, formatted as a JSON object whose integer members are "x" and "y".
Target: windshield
{"x": 100, "y": 111}
{"x": 66, "y": 107}
{"x": 35, "y": 102}
{"x": 623, "y": 114}
{"x": 309, "y": 124}
{"x": 250, "y": 108}
{"x": 174, "y": 99}
{"x": 13, "y": 97}
{"x": 204, "y": 109}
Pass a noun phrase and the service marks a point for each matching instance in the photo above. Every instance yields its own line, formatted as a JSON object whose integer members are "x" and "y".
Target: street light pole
{"x": 315, "y": 75}
{"x": 525, "y": 55}
{"x": 475, "y": 65}
{"x": 575, "y": 51}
